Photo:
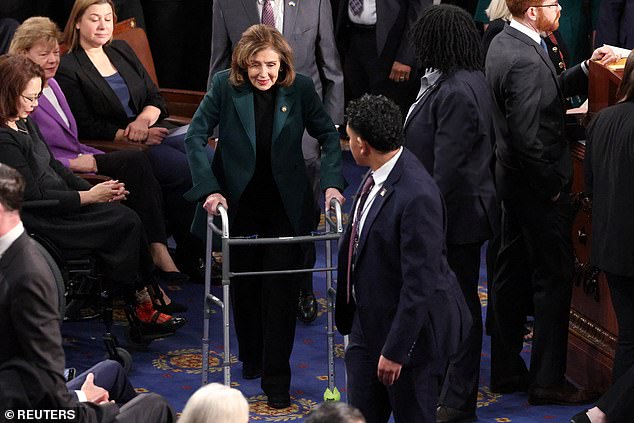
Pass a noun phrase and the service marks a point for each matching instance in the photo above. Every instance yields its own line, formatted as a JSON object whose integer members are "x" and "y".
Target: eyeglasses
{"x": 32, "y": 99}
{"x": 555, "y": 4}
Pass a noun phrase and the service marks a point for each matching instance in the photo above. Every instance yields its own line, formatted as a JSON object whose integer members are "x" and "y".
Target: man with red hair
{"x": 533, "y": 175}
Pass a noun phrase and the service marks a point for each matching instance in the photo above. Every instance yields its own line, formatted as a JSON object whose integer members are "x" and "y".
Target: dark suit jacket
{"x": 616, "y": 23}
{"x": 30, "y": 323}
{"x": 450, "y": 130}
{"x": 532, "y": 153}
{"x": 408, "y": 301}
{"x": 609, "y": 165}
{"x": 97, "y": 109}
{"x": 297, "y": 107}
{"x": 393, "y": 23}
{"x": 308, "y": 29}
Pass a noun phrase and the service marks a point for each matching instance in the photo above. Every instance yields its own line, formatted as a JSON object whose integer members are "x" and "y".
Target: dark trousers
{"x": 618, "y": 402}
{"x": 265, "y": 307}
{"x": 110, "y": 376}
{"x": 535, "y": 242}
{"x": 145, "y": 198}
{"x": 171, "y": 169}
{"x": 460, "y": 387}
{"x": 365, "y": 71}
{"x": 146, "y": 408}
{"x": 412, "y": 398}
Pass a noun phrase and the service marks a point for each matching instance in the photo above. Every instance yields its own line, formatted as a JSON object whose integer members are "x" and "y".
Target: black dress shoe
{"x": 279, "y": 401}
{"x": 251, "y": 371}
{"x": 446, "y": 414}
{"x": 563, "y": 394}
{"x": 307, "y": 307}
{"x": 580, "y": 418}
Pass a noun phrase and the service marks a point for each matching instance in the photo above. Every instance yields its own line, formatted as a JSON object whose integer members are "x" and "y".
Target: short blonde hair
{"x": 498, "y": 10}
{"x": 71, "y": 34}
{"x": 257, "y": 38}
{"x": 216, "y": 403}
{"x": 32, "y": 31}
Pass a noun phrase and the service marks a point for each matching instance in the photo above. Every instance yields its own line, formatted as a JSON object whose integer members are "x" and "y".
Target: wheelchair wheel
{"x": 59, "y": 280}
{"x": 136, "y": 339}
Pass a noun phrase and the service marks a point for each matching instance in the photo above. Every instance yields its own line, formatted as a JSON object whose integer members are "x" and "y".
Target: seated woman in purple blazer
{"x": 37, "y": 38}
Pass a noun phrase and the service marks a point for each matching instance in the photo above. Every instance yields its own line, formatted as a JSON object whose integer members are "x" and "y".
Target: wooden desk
{"x": 593, "y": 328}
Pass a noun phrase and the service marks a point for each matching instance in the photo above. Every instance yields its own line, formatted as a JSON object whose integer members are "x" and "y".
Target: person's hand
{"x": 333, "y": 193}
{"x": 156, "y": 135}
{"x": 94, "y": 393}
{"x": 388, "y": 371}
{"x": 137, "y": 130}
{"x": 400, "y": 72}
{"x": 83, "y": 163}
{"x": 212, "y": 201}
{"x": 605, "y": 55}
{"x": 108, "y": 191}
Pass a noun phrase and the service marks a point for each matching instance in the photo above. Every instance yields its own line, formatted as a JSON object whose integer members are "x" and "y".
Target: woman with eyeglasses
{"x": 85, "y": 217}
{"x": 36, "y": 38}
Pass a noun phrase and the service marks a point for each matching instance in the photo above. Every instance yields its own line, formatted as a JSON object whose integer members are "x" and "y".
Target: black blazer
{"x": 408, "y": 302}
{"x": 609, "y": 174}
{"x": 451, "y": 132}
{"x": 393, "y": 23}
{"x": 97, "y": 109}
{"x": 533, "y": 156}
{"x": 32, "y": 360}
{"x": 616, "y": 23}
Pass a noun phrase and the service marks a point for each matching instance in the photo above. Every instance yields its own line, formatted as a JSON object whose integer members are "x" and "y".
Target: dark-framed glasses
{"x": 31, "y": 99}
{"x": 555, "y": 4}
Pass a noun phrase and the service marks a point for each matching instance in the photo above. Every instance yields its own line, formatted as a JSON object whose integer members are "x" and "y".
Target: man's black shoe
{"x": 251, "y": 371}
{"x": 446, "y": 414}
{"x": 563, "y": 394}
{"x": 279, "y": 401}
{"x": 307, "y": 307}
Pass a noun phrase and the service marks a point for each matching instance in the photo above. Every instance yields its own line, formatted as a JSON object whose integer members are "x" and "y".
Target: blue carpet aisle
{"x": 171, "y": 366}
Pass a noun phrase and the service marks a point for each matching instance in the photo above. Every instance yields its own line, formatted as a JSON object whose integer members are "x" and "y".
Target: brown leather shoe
{"x": 564, "y": 394}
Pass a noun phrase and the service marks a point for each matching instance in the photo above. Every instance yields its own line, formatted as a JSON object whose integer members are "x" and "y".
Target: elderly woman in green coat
{"x": 262, "y": 108}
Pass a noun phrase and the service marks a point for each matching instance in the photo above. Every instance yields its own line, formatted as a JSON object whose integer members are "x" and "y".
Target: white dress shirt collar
{"x": 526, "y": 30}
{"x": 9, "y": 238}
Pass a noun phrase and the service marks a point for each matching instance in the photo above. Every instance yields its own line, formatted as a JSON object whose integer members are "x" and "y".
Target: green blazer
{"x": 297, "y": 107}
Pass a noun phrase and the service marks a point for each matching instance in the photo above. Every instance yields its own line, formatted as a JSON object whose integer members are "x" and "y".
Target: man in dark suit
{"x": 533, "y": 174}
{"x": 616, "y": 23}
{"x": 32, "y": 365}
{"x": 450, "y": 129}
{"x": 374, "y": 45}
{"x": 396, "y": 295}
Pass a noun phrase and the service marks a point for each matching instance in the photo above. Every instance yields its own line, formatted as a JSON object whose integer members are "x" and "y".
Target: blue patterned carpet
{"x": 171, "y": 366}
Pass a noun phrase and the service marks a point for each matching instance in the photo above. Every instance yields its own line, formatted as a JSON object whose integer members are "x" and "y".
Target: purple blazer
{"x": 62, "y": 140}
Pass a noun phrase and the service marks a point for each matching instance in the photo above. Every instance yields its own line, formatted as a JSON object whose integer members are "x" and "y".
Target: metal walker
{"x": 334, "y": 230}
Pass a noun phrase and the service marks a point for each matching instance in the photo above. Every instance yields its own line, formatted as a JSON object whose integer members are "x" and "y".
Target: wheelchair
{"x": 79, "y": 285}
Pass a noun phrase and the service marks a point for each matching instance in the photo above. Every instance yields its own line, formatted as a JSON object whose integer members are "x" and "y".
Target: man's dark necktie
{"x": 544, "y": 46}
{"x": 354, "y": 233}
{"x": 356, "y": 6}
{"x": 268, "y": 17}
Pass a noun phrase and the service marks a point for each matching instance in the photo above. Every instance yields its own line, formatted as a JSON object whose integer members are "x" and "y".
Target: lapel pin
{"x": 382, "y": 193}
{"x": 284, "y": 109}
{"x": 291, "y": 3}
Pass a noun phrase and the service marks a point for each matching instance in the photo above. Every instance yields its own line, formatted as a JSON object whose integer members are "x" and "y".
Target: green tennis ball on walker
{"x": 333, "y": 395}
